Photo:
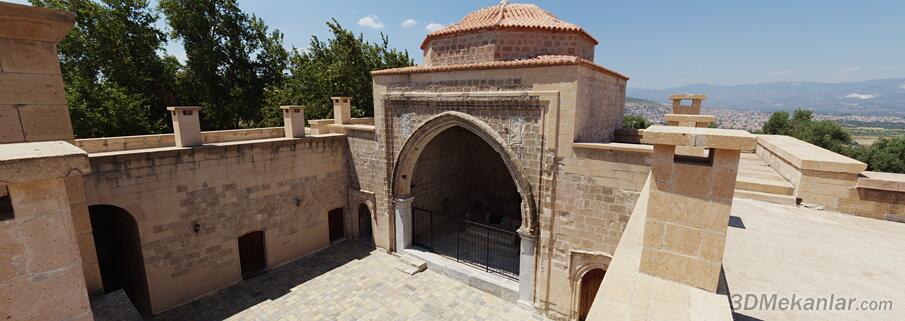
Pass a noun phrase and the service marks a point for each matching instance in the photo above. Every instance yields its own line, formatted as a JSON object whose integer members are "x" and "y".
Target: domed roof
{"x": 506, "y": 15}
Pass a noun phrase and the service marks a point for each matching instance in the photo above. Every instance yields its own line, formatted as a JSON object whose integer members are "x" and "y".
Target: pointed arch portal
{"x": 460, "y": 192}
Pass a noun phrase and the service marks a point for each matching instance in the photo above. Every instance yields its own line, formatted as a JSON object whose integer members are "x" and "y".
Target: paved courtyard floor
{"x": 349, "y": 281}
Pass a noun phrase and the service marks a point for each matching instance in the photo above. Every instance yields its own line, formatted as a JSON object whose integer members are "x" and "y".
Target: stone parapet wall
{"x": 284, "y": 187}
{"x": 114, "y": 144}
{"x": 829, "y": 180}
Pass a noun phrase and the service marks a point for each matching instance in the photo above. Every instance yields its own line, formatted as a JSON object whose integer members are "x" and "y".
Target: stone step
{"x": 409, "y": 264}
{"x": 766, "y": 197}
{"x": 760, "y": 185}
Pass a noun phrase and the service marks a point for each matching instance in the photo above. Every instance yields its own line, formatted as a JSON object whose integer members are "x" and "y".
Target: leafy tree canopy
{"x": 340, "y": 66}
{"x": 232, "y": 59}
{"x": 117, "y": 80}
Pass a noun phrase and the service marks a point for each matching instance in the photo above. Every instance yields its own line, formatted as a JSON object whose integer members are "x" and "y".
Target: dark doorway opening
{"x": 119, "y": 255}
{"x": 365, "y": 232}
{"x": 467, "y": 206}
{"x": 252, "y": 256}
{"x": 335, "y": 221}
{"x": 590, "y": 283}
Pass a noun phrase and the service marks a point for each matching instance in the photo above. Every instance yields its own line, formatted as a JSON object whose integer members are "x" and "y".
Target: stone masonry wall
{"x": 601, "y": 106}
{"x": 592, "y": 199}
{"x": 284, "y": 187}
{"x": 367, "y": 179}
{"x": 444, "y": 180}
{"x": 505, "y": 45}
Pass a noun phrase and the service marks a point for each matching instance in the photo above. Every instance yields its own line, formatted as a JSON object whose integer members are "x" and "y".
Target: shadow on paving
{"x": 268, "y": 286}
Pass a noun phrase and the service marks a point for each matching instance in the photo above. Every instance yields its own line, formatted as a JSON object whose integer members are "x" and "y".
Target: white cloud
{"x": 433, "y": 26}
{"x": 849, "y": 69}
{"x": 860, "y": 96}
{"x": 902, "y": 86}
{"x": 408, "y": 23}
{"x": 371, "y": 21}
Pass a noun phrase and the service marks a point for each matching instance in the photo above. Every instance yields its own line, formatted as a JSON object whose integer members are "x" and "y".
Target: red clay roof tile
{"x": 540, "y": 61}
{"x": 516, "y": 15}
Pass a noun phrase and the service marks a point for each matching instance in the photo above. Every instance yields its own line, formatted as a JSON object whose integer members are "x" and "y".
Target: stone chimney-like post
{"x": 294, "y": 121}
{"x": 342, "y": 110}
{"x": 693, "y": 109}
{"x": 688, "y": 115}
{"x": 690, "y": 201}
{"x": 186, "y": 125}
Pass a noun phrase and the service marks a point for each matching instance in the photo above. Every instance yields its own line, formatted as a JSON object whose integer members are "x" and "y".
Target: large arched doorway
{"x": 466, "y": 205}
{"x": 365, "y": 232}
{"x": 588, "y": 287}
{"x": 119, "y": 255}
{"x": 478, "y": 141}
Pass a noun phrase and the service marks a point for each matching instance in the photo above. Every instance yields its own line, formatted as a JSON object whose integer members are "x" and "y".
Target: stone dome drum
{"x": 506, "y": 32}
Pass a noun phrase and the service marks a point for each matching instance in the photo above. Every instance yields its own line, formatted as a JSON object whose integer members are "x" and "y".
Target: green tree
{"x": 779, "y": 124}
{"x": 801, "y": 124}
{"x": 117, "y": 80}
{"x": 635, "y": 122}
{"x": 340, "y": 66}
{"x": 233, "y": 60}
{"x": 885, "y": 155}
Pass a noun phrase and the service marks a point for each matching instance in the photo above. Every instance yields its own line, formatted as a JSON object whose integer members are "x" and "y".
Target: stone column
{"x": 40, "y": 264}
{"x": 403, "y": 222}
{"x": 294, "y": 121}
{"x": 526, "y": 271}
{"x": 689, "y": 204}
{"x": 186, "y": 125}
{"x": 33, "y": 105}
{"x": 342, "y": 110}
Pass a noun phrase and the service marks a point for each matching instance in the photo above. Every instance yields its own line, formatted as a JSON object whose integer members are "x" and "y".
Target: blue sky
{"x": 657, "y": 43}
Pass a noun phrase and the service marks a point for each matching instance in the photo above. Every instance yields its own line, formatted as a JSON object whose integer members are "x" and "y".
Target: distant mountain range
{"x": 873, "y": 97}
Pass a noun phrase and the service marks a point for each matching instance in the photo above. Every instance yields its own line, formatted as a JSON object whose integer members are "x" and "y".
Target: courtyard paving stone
{"x": 349, "y": 281}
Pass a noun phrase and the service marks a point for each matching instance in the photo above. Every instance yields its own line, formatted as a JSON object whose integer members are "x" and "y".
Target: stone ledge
{"x": 882, "y": 181}
{"x": 690, "y": 118}
{"x": 617, "y": 147}
{"x": 23, "y": 162}
{"x": 497, "y": 286}
{"x": 33, "y": 23}
{"x": 806, "y": 156}
{"x": 699, "y": 137}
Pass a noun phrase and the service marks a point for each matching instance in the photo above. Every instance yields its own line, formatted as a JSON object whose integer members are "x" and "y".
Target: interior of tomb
{"x": 459, "y": 175}
{"x": 466, "y": 205}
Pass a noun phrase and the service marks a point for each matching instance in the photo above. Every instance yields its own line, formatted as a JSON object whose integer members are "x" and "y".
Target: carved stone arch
{"x": 425, "y": 133}
{"x": 581, "y": 263}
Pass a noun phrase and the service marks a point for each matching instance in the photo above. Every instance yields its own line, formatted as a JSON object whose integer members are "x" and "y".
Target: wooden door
{"x": 252, "y": 256}
{"x": 589, "y": 285}
{"x": 364, "y": 224}
{"x": 335, "y": 220}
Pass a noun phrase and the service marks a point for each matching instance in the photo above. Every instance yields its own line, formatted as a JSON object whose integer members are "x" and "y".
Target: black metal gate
{"x": 479, "y": 245}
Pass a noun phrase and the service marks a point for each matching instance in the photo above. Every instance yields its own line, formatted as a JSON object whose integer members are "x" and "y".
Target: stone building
{"x": 499, "y": 162}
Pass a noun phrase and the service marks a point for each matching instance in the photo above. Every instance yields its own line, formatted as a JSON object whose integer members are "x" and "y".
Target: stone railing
{"x": 114, "y": 144}
{"x": 832, "y": 181}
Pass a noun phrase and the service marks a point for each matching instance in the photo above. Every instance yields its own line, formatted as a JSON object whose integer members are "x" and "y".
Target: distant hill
{"x": 651, "y": 110}
{"x": 873, "y": 97}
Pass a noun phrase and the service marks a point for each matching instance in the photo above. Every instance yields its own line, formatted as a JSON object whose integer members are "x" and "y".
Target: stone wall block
{"x": 31, "y": 89}
{"x": 45, "y": 122}
{"x": 28, "y": 57}
{"x": 10, "y": 127}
